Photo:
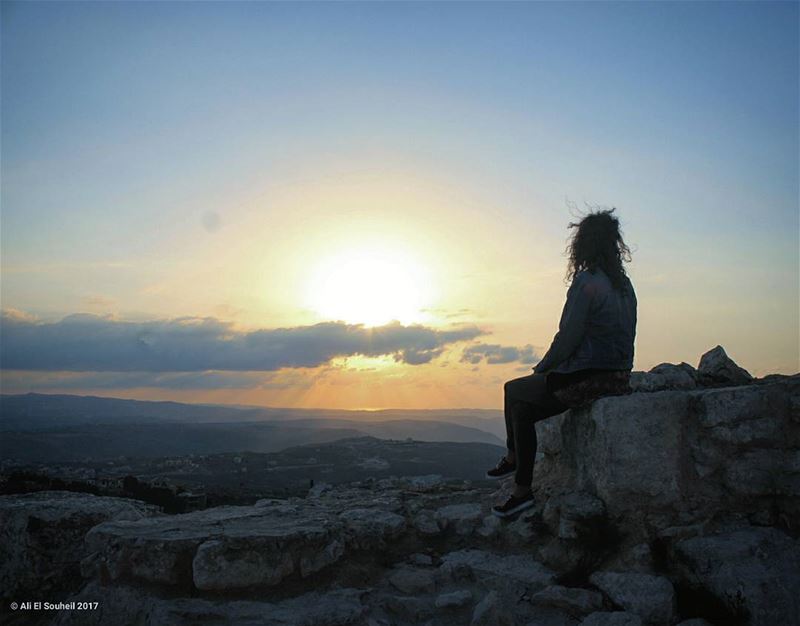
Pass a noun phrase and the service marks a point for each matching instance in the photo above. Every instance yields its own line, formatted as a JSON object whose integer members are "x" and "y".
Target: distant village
{"x": 181, "y": 484}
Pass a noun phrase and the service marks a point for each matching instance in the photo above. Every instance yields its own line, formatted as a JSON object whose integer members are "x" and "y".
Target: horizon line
{"x": 246, "y": 406}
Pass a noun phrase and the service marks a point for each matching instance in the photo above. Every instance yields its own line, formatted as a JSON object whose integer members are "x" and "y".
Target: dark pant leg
{"x": 516, "y": 392}
{"x": 508, "y": 412}
{"x": 526, "y": 402}
{"x": 524, "y": 418}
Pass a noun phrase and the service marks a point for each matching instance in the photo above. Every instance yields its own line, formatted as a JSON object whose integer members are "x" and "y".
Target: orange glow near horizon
{"x": 356, "y": 383}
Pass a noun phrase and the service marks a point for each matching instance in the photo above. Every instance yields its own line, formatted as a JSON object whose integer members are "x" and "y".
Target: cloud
{"x": 495, "y": 354}
{"x": 85, "y": 342}
{"x": 416, "y": 356}
{"x": 15, "y": 315}
{"x": 450, "y": 313}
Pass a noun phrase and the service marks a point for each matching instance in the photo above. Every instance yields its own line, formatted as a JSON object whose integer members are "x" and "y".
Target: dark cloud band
{"x": 495, "y": 354}
{"x": 85, "y": 342}
{"x": 19, "y": 381}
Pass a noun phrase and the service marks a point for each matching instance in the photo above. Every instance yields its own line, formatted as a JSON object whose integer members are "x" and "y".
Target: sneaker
{"x": 503, "y": 468}
{"x": 513, "y": 505}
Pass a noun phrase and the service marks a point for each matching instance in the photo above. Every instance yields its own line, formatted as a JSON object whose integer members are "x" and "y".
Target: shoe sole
{"x": 496, "y": 477}
{"x": 520, "y": 507}
{"x": 499, "y": 477}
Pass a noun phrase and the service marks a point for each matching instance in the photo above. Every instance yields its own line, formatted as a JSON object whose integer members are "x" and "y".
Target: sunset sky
{"x": 365, "y": 205}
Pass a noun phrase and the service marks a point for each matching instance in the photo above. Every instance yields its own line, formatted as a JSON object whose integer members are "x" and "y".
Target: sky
{"x": 366, "y": 205}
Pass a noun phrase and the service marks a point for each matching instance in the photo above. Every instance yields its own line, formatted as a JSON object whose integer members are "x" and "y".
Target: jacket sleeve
{"x": 572, "y": 326}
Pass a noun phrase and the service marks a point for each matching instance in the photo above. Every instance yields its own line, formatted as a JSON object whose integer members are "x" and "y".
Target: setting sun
{"x": 370, "y": 285}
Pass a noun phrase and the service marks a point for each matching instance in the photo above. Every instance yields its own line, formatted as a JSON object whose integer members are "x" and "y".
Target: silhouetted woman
{"x": 591, "y": 354}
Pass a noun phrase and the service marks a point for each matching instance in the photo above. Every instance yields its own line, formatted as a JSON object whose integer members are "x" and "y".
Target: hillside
{"x": 155, "y": 438}
{"x": 36, "y": 411}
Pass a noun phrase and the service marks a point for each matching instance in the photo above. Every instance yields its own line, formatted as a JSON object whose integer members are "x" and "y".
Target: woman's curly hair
{"x": 597, "y": 242}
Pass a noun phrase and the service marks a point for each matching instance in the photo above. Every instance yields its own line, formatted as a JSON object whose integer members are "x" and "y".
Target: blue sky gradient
{"x": 123, "y": 124}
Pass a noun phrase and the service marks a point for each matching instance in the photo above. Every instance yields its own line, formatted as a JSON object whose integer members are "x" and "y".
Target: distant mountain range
{"x": 51, "y": 427}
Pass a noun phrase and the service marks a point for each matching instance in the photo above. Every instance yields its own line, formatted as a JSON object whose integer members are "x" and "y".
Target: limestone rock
{"x": 231, "y": 563}
{"x": 412, "y": 581}
{"x": 522, "y": 530}
{"x": 490, "y": 612}
{"x": 221, "y": 565}
{"x": 676, "y": 457}
{"x": 420, "y": 559}
{"x": 41, "y": 537}
{"x": 650, "y": 597}
{"x": 748, "y": 444}
{"x": 426, "y": 483}
{"x": 750, "y": 570}
{"x": 160, "y": 552}
{"x": 464, "y": 518}
{"x": 665, "y": 376}
{"x": 548, "y": 616}
{"x": 612, "y": 618}
{"x": 488, "y": 565}
{"x": 258, "y": 547}
{"x": 574, "y": 600}
{"x": 411, "y": 608}
{"x": 716, "y": 367}
{"x": 623, "y": 449}
{"x": 490, "y": 527}
{"x": 230, "y": 548}
{"x": 425, "y": 523}
{"x": 371, "y": 527}
{"x": 635, "y": 558}
{"x": 565, "y": 515}
{"x": 454, "y": 599}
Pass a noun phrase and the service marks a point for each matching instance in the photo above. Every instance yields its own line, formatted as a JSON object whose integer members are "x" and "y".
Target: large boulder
{"x": 753, "y": 572}
{"x": 650, "y": 597}
{"x": 672, "y": 457}
{"x": 160, "y": 551}
{"x": 717, "y": 368}
{"x": 41, "y": 537}
{"x": 665, "y": 376}
{"x": 234, "y": 548}
{"x": 581, "y": 536}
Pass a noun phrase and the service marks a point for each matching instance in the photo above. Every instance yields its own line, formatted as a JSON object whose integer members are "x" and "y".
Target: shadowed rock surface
{"x": 669, "y": 506}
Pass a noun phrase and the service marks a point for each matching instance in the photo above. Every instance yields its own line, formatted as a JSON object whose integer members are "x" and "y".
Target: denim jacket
{"x": 597, "y": 327}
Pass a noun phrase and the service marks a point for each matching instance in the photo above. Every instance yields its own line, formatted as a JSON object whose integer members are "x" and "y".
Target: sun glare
{"x": 371, "y": 286}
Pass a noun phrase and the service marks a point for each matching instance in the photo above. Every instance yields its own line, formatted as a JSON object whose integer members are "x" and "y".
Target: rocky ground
{"x": 676, "y": 504}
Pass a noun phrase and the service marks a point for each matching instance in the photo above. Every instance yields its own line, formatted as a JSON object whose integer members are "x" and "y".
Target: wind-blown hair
{"x": 597, "y": 242}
